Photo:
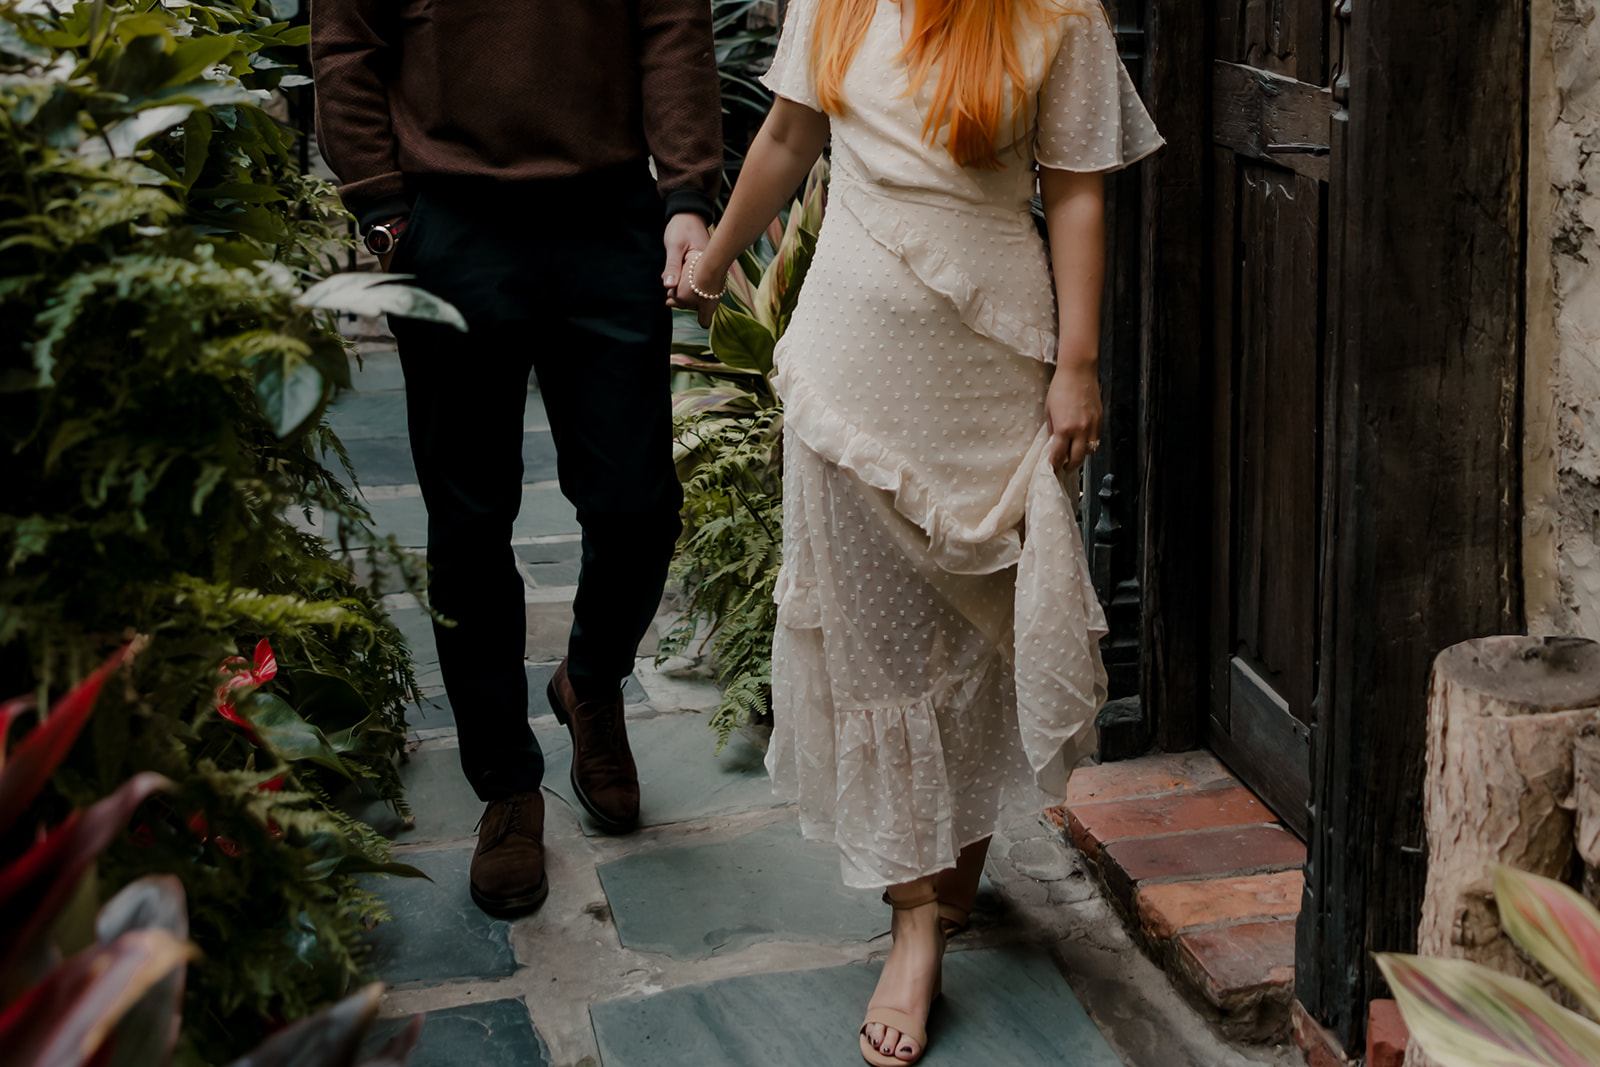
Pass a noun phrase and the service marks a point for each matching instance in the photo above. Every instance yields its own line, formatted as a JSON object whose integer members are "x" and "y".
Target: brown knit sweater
{"x": 512, "y": 90}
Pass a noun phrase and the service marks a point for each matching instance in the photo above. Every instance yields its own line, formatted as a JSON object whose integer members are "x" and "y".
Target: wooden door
{"x": 1271, "y": 147}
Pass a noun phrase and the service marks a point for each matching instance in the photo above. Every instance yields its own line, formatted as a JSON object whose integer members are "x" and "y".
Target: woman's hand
{"x": 1073, "y": 409}
{"x": 702, "y": 273}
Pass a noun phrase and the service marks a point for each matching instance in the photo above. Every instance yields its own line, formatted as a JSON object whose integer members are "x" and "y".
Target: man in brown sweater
{"x": 502, "y": 153}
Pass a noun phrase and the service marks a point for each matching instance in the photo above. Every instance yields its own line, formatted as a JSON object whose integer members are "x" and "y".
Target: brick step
{"x": 1205, "y": 875}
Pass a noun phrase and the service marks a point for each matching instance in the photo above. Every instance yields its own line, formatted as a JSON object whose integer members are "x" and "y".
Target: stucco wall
{"x": 1562, "y": 428}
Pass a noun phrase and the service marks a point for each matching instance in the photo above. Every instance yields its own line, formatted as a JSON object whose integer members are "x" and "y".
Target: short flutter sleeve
{"x": 790, "y": 74}
{"x": 1090, "y": 115}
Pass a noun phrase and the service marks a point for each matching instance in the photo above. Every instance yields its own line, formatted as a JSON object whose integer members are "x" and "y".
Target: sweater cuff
{"x": 376, "y": 211}
{"x": 692, "y": 201}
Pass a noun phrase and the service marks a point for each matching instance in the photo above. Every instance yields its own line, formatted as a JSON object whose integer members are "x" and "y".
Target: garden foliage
{"x": 729, "y": 433}
{"x": 165, "y": 361}
{"x": 115, "y": 1001}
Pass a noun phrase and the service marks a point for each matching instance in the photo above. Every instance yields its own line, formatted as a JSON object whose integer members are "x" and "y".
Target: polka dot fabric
{"x": 936, "y": 667}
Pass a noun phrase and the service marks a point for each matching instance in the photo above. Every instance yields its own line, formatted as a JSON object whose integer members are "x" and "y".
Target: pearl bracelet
{"x": 695, "y": 289}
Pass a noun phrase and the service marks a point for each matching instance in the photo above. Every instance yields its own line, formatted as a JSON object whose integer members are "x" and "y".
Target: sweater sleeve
{"x": 682, "y": 102}
{"x": 354, "y": 56}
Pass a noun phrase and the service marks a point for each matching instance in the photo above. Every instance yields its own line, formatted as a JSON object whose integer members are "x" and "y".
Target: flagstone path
{"x": 714, "y": 935}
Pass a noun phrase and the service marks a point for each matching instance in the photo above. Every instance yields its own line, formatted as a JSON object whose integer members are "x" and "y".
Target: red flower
{"x": 240, "y": 674}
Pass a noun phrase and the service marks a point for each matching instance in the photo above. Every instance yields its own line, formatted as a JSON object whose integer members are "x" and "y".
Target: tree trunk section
{"x": 1504, "y": 715}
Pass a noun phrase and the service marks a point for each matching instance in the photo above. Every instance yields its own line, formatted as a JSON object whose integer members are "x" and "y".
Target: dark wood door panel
{"x": 1276, "y": 419}
{"x": 1287, "y": 37}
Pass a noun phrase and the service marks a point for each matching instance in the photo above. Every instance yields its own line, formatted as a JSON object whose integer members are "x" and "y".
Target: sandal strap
{"x": 954, "y": 918}
{"x": 928, "y": 896}
{"x": 908, "y": 1025}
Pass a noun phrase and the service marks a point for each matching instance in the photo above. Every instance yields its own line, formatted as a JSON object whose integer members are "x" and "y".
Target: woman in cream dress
{"x": 936, "y": 667}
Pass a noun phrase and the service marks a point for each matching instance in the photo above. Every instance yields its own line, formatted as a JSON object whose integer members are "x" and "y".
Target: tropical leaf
{"x": 374, "y": 294}
{"x": 36, "y": 758}
{"x": 148, "y": 1030}
{"x": 282, "y": 730}
{"x": 290, "y": 390}
{"x": 1465, "y": 1015}
{"x": 35, "y": 888}
{"x": 330, "y": 1038}
{"x": 65, "y": 1020}
{"x": 740, "y": 340}
{"x": 1555, "y": 926}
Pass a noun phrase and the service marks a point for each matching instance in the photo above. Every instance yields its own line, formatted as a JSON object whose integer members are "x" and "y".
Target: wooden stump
{"x": 1504, "y": 715}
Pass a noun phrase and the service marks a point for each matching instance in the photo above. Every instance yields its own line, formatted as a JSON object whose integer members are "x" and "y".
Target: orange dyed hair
{"x": 975, "y": 43}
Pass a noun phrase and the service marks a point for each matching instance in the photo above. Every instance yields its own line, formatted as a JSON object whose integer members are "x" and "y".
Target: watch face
{"x": 380, "y": 242}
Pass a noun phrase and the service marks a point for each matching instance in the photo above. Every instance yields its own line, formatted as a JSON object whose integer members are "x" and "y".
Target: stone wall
{"x": 1562, "y": 429}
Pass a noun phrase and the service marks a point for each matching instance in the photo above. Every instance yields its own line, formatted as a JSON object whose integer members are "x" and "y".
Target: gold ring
{"x": 1094, "y": 446}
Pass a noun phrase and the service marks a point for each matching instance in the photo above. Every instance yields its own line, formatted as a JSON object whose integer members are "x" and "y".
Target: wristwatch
{"x": 385, "y": 236}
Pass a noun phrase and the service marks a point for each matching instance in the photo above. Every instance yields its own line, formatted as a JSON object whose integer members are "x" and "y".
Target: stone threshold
{"x": 1206, "y": 877}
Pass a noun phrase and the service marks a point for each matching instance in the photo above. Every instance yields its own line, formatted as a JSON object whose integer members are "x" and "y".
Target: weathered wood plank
{"x": 1427, "y": 388}
{"x": 1174, "y": 364}
{"x": 1272, "y": 118}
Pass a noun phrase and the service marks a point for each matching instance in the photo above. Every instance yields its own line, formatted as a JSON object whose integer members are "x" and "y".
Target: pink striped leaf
{"x": 1555, "y": 926}
{"x": 1465, "y": 1015}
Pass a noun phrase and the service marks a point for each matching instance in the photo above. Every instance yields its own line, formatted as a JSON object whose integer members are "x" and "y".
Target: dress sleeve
{"x": 1090, "y": 115}
{"x": 790, "y": 73}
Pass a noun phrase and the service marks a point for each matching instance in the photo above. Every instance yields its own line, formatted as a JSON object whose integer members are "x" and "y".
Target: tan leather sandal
{"x": 952, "y": 919}
{"x": 909, "y": 1026}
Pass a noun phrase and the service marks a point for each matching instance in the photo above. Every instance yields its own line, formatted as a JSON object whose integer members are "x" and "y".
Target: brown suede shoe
{"x": 508, "y": 868}
{"x": 603, "y": 772}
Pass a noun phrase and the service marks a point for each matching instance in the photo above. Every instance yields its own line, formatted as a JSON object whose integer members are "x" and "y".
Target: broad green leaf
{"x": 286, "y": 734}
{"x": 290, "y": 391}
{"x": 1555, "y": 926}
{"x": 244, "y": 192}
{"x": 741, "y": 341}
{"x": 330, "y": 702}
{"x": 372, "y": 294}
{"x": 193, "y": 56}
{"x": 124, "y": 138}
{"x": 1465, "y": 1015}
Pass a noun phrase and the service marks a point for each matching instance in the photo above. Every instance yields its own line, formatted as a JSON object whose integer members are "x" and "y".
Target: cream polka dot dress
{"x": 936, "y": 667}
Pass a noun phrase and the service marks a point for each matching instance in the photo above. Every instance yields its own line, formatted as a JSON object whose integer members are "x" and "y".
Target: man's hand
{"x": 686, "y": 232}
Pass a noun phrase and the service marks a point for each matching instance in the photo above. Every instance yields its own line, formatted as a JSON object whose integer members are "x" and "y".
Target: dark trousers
{"x": 561, "y": 280}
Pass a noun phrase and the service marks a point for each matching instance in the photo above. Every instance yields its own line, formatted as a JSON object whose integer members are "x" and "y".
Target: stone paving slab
{"x": 545, "y": 512}
{"x": 556, "y": 564}
{"x": 697, "y": 900}
{"x": 356, "y": 416}
{"x": 496, "y": 1033}
{"x": 679, "y": 777}
{"x": 438, "y": 933}
{"x": 386, "y": 461}
{"x": 1006, "y": 1005}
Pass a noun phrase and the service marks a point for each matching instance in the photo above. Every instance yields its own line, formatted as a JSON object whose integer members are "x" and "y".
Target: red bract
{"x": 242, "y": 673}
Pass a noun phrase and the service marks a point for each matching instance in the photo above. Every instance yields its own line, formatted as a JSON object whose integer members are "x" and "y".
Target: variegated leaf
{"x": 1465, "y": 1015}
{"x": 1555, "y": 926}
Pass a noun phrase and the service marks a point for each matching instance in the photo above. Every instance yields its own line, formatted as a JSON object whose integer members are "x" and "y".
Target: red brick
{"x": 1226, "y": 852}
{"x": 1146, "y": 776}
{"x": 1174, "y": 812}
{"x": 1237, "y": 964}
{"x": 1322, "y": 1049}
{"x": 1387, "y": 1035}
{"x": 1172, "y": 907}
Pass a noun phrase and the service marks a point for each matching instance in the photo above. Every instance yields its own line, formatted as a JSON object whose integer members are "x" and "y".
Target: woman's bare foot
{"x": 910, "y": 973}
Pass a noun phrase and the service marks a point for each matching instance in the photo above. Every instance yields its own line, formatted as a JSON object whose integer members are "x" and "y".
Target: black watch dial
{"x": 380, "y": 241}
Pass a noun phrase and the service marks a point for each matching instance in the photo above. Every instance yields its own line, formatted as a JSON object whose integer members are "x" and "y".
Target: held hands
{"x": 701, "y": 287}
{"x": 1073, "y": 409}
{"x": 686, "y": 233}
